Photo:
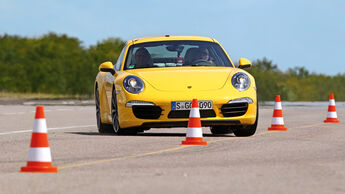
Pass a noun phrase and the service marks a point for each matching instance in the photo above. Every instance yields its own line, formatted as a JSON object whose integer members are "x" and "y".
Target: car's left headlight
{"x": 133, "y": 84}
{"x": 240, "y": 81}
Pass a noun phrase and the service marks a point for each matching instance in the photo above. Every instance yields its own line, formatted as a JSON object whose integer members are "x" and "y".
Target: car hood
{"x": 186, "y": 78}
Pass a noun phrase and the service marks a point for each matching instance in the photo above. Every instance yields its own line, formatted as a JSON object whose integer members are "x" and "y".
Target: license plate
{"x": 186, "y": 105}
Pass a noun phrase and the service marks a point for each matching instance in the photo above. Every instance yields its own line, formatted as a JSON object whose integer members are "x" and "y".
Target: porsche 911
{"x": 154, "y": 80}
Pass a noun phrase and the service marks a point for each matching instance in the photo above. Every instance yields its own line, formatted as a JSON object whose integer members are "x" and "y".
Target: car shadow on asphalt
{"x": 147, "y": 134}
{"x": 90, "y": 133}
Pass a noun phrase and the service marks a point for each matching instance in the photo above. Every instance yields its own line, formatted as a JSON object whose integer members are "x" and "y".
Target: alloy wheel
{"x": 114, "y": 113}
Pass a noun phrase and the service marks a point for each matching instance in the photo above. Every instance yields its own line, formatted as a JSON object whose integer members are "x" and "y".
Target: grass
{"x": 14, "y": 95}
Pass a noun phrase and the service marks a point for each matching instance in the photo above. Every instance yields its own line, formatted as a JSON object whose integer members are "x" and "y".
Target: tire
{"x": 115, "y": 119}
{"x": 102, "y": 127}
{"x": 247, "y": 130}
{"x": 217, "y": 130}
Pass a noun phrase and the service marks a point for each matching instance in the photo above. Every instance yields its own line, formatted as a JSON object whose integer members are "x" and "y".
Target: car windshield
{"x": 176, "y": 54}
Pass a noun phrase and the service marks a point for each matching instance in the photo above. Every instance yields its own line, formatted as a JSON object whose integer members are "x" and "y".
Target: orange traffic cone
{"x": 331, "y": 114}
{"x": 194, "y": 131}
{"x": 277, "y": 120}
{"x": 39, "y": 159}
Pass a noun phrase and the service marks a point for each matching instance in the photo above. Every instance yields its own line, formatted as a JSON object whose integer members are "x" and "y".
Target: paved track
{"x": 308, "y": 158}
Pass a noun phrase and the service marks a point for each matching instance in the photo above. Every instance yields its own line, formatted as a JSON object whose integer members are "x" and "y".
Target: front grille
{"x": 185, "y": 114}
{"x": 234, "y": 109}
{"x": 147, "y": 112}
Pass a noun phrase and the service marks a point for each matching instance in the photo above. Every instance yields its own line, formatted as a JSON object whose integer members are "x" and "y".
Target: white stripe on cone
{"x": 332, "y": 115}
{"x": 332, "y": 102}
{"x": 194, "y": 132}
{"x": 194, "y": 112}
{"x": 39, "y": 155}
{"x": 278, "y": 106}
{"x": 277, "y": 121}
{"x": 40, "y": 126}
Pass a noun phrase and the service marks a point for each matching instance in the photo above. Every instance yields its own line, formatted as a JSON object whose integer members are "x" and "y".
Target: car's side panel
{"x": 103, "y": 88}
{"x": 105, "y": 83}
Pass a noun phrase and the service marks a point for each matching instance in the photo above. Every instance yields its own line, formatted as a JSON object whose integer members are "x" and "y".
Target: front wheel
{"x": 115, "y": 119}
{"x": 218, "y": 130}
{"x": 247, "y": 130}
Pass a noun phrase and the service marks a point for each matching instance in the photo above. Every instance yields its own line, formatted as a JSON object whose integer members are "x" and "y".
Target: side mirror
{"x": 107, "y": 67}
{"x": 244, "y": 63}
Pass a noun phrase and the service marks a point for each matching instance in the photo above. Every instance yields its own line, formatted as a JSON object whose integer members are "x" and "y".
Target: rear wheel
{"x": 102, "y": 128}
{"x": 247, "y": 130}
{"x": 115, "y": 118}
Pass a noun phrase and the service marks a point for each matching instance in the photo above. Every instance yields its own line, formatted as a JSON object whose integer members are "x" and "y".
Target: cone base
{"x": 39, "y": 169}
{"x": 194, "y": 141}
{"x": 276, "y": 128}
{"x": 331, "y": 120}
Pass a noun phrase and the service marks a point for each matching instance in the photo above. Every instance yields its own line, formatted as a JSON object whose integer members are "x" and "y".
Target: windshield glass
{"x": 176, "y": 54}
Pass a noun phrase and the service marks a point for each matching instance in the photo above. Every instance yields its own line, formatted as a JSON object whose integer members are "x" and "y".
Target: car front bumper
{"x": 128, "y": 116}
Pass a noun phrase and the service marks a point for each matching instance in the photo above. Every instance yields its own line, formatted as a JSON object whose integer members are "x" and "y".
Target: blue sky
{"x": 309, "y": 33}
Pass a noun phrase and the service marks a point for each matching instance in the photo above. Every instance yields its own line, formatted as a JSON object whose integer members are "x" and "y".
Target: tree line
{"x": 55, "y": 64}
{"x": 295, "y": 84}
{"x": 59, "y": 64}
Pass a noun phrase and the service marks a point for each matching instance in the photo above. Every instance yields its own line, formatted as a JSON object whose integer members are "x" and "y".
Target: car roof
{"x": 169, "y": 38}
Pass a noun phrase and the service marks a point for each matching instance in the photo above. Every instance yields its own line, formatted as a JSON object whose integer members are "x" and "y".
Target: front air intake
{"x": 147, "y": 112}
{"x": 234, "y": 109}
{"x": 185, "y": 114}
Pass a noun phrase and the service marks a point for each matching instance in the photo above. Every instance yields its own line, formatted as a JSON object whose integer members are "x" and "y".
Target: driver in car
{"x": 202, "y": 57}
{"x": 143, "y": 58}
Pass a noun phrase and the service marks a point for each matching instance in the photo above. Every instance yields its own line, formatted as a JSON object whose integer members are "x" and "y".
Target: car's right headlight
{"x": 133, "y": 84}
{"x": 240, "y": 81}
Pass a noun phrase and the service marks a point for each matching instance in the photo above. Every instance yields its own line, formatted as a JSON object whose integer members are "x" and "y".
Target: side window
{"x": 120, "y": 59}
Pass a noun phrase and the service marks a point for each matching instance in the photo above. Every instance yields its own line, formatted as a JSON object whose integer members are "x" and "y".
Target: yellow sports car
{"x": 155, "y": 79}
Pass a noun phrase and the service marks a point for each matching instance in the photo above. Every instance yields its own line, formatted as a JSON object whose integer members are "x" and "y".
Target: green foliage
{"x": 58, "y": 64}
{"x": 53, "y": 63}
{"x": 296, "y": 84}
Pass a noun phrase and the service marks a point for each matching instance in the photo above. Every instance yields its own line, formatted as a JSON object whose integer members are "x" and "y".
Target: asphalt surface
{"x": 308, "y": 158}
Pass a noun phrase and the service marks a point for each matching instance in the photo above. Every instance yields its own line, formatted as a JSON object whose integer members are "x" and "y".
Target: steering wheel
{"x": 201, "y": 62}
